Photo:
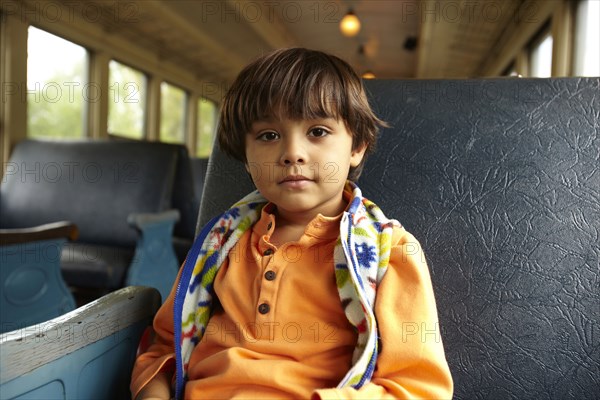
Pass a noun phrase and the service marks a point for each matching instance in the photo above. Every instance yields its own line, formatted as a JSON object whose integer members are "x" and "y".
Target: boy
{"x": 303, "y": 289}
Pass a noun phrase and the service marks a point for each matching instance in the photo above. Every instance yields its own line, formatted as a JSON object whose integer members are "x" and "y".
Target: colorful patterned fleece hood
{"x": 361, "y": 257}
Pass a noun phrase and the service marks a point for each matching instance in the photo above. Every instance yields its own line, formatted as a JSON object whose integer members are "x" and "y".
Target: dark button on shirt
{"x": 270, "y": 275}
{"x": 264, "y": 308}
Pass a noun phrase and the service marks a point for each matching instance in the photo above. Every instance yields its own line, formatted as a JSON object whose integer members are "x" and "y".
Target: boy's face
{"x": 301, "y": 165}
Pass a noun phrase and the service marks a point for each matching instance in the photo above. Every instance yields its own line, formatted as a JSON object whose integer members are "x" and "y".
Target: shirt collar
{"x": 321, "y": 226}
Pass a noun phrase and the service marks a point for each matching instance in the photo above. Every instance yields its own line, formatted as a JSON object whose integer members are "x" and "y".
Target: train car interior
{"x": 110, "y": 168}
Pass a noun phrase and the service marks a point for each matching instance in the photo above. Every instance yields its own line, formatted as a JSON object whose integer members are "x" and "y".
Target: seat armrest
{"x": 142, "y": 220}
{"x": 155, "y": 263}
{"x": 55, "y": 230}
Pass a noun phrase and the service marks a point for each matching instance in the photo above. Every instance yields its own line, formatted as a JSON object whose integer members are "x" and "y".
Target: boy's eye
{"x": 268, "y": 136}
{"x": 318, "y": 132}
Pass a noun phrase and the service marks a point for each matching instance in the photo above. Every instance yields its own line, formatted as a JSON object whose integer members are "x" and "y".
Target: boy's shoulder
{"x": 400, "y": 236}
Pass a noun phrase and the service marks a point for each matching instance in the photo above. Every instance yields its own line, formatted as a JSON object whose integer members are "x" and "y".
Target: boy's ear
{"x": 357, "y": 155}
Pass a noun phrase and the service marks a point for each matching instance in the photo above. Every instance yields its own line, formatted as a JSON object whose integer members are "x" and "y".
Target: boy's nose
{"x": 293, "y": 153}
{"x": 292, "y": 160}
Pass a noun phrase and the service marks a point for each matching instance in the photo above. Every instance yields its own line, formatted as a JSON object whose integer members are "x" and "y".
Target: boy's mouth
{"x": 294, "y": 178}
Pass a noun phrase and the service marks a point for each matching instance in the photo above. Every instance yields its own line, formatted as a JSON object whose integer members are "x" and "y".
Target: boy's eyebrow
{"x": 264, "y": 123}
{"x": 257, "y": 124}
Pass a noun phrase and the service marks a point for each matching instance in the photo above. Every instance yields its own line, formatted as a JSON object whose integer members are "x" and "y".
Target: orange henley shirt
{"x": 279, "y": 331}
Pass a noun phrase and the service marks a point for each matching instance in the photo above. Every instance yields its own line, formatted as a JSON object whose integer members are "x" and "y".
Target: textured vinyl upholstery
{"x": 199, "y": 168}
{"x": 226, "y": 182}
{"x": 500, "y": 181}
{"x": 187, "y": 201}
{"x": 185, "y": 197}
{"x": 96, "y": 185}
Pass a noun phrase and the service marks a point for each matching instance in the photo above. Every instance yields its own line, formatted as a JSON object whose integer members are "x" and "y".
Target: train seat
{"x": 199, "y": 168}
{"x": 31, "y": 285}
{"x": 104, "y": 188}
{"x": 189, "y": 183}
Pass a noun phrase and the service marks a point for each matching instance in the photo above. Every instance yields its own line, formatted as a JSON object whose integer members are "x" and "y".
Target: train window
{"x": 207, "y": 118}
{"x": 172, "y": 114}
{"x": 540, "y": 57}
{"x": 57, "y": 87}
{"x": 587, "y": 39}
{"x": 126, "y": 103}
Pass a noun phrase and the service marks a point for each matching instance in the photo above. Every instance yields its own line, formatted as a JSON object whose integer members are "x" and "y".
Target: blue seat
{"x": 32, "y": 288}
{"x": 85, "y": 354}
{"x": 154, "y": 263}
{"x": 100, "y": 186}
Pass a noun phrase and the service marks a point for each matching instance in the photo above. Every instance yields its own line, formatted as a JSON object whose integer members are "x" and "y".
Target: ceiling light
{"x": 368, "y": 74}
{"x": 350, "y": 24}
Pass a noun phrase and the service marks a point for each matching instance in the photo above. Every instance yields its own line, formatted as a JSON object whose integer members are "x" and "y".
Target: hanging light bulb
{"x": 350, "y": 24}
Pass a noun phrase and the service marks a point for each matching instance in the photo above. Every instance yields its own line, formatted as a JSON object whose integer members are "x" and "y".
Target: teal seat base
{"x": 85, "y": 354}
{"x": 32, "y": 289}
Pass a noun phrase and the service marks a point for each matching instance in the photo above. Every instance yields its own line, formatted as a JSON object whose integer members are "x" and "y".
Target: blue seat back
{"x": 32, "y": 289}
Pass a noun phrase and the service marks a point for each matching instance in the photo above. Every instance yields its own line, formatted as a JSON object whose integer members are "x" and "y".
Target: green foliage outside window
{"x": 126, "y": 101}
{"x": 57, "y": 88}
{"x": 207, "y": 112}
{"x": 172, "y": 114}
{"x": 58, "y": 95}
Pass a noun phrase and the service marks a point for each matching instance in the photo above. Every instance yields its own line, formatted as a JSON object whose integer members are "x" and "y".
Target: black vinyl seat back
{"x": 95, "y": 184}
{"x": 226, "y": 181}
{"x": 185, "y": 197}
{"x": 500, "y": 181}
{"x": 199, "y": 168}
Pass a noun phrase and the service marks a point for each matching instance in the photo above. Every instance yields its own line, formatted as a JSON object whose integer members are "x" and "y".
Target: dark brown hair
{"x": 299, "y": 84}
